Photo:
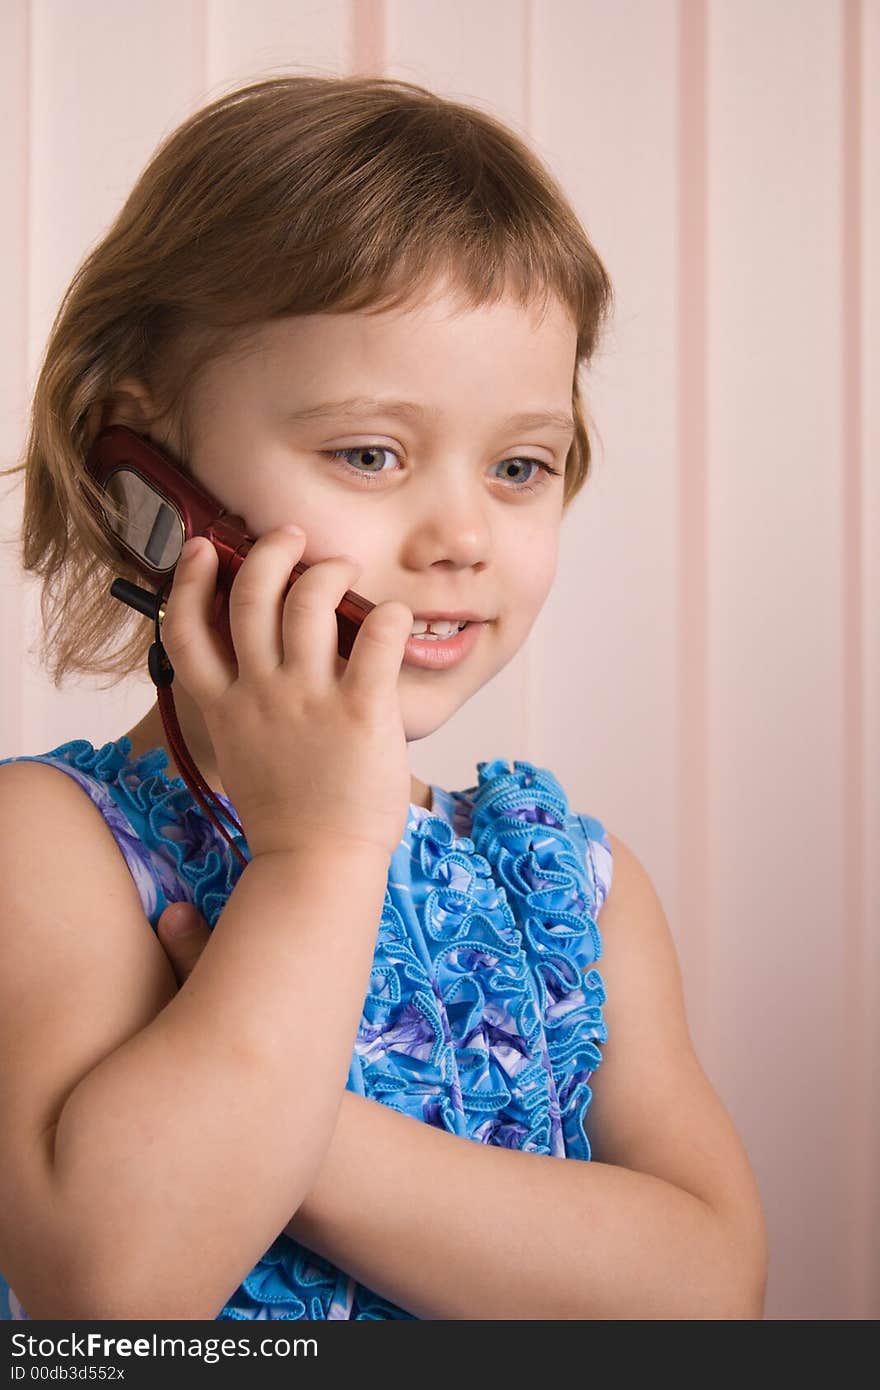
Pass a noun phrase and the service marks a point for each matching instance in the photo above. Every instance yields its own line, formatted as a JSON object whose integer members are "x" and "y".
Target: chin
{"x": 417, "y": 729}
{"x": 419, "y": 721}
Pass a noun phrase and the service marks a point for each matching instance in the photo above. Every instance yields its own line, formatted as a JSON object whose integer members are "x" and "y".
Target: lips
{"x": 441, "y": 653}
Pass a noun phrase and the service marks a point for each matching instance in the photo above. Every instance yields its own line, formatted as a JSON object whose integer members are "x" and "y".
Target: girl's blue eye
{"x": 383, "y": 449}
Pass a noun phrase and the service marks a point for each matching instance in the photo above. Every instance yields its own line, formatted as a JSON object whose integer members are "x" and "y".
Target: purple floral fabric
{"x": 483, "y": 1014}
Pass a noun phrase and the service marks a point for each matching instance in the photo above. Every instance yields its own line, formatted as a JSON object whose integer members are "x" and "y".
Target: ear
{"x": 130, "y": 404}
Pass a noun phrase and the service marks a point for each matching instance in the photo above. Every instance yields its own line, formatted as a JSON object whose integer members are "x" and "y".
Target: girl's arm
{"x": 665, "y": 1222}
{"x": 447, "y": 1228}
{"x": 152, "y": 1148}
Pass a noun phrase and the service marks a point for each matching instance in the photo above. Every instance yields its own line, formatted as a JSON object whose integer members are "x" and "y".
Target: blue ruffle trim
{"x": 483, "y": 1012}
{"x": 174, "y": 852}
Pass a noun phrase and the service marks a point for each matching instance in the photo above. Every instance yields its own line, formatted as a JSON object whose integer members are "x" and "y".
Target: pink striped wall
{"x": 706, "y": 674}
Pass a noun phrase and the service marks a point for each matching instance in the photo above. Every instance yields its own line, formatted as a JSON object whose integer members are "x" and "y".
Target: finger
{"x": 195, "y": 650}
{"x": 256, "y": 599}
{"x": 377, "y": 655}
{"x": 310, "y": 629}
{"x": 184, "y": 934}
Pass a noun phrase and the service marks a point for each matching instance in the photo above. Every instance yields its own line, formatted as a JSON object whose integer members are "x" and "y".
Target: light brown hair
{"x": 291, "y": 195}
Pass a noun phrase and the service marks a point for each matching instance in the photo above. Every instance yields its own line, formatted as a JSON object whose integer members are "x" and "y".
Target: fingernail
{"x": 293, "y": 530}
{"x": 191, "y": 549}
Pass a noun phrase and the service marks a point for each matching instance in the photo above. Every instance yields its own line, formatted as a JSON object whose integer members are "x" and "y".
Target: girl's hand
{"x": 183, "y": 932}
{"x": 310, "y": 749}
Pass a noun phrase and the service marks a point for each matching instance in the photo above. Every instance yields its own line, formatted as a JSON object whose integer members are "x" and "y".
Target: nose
{"x": 451, "y": 524}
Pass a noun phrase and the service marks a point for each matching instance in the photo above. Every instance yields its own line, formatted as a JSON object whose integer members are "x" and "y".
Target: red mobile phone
{"x": 155, "y": 507}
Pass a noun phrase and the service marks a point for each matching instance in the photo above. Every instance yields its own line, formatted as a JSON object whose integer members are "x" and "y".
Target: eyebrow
{"x": 410, "y": 410}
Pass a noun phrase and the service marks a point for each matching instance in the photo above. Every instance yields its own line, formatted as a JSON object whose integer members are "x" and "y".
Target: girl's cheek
{"x": 542, "y": 558}
{"x": 341, "y": 529}
{"x": 325, "y": 542}
{"x": 325, "y": 536}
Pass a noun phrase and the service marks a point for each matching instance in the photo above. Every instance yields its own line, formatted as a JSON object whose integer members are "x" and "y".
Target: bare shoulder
{"x": 82, "y": 971}
{"x": 82, "y": 966}
{"x": 65, "y": 885}
{"x": 638, "y": 950}
{"x": 654, "y": 1109}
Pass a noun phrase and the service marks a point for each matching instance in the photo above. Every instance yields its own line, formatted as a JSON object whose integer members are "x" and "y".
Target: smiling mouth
{"x": 442, "y": 652}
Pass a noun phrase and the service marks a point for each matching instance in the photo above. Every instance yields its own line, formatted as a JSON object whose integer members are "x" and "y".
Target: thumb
{"x": 184, "y": 934}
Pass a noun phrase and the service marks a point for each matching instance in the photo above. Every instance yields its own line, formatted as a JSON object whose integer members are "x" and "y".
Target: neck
{"x": 149, "y": 733}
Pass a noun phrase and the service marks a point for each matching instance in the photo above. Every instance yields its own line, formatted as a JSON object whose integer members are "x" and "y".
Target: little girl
{"x": 356, "y": 307}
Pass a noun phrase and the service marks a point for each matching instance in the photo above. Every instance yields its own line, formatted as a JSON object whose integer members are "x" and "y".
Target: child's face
{"x": 444, "y": 526}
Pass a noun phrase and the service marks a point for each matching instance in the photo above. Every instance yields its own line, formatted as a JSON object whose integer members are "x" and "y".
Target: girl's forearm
{"x": 178, "y": 1157}
{"x": 446, "y": 1227}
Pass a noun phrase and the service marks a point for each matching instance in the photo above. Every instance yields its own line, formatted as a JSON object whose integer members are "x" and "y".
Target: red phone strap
{"x": 190, "y": 773}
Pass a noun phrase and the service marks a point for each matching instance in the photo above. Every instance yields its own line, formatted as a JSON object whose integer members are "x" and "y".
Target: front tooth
{"x": 440, "y": 628}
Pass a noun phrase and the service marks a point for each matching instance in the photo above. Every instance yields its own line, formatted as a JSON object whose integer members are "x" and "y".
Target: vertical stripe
{"x": 32, "y": 348}
{"x": 202, "y": 75}
{"x": 529, "y": 683}
{"x": 367, "y": 29}
{"x": 694, "y": 809}
{"x": 864, "y": 1159}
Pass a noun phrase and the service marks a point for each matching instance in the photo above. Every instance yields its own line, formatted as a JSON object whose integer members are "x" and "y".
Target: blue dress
{"x": 483, "y": 1011}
